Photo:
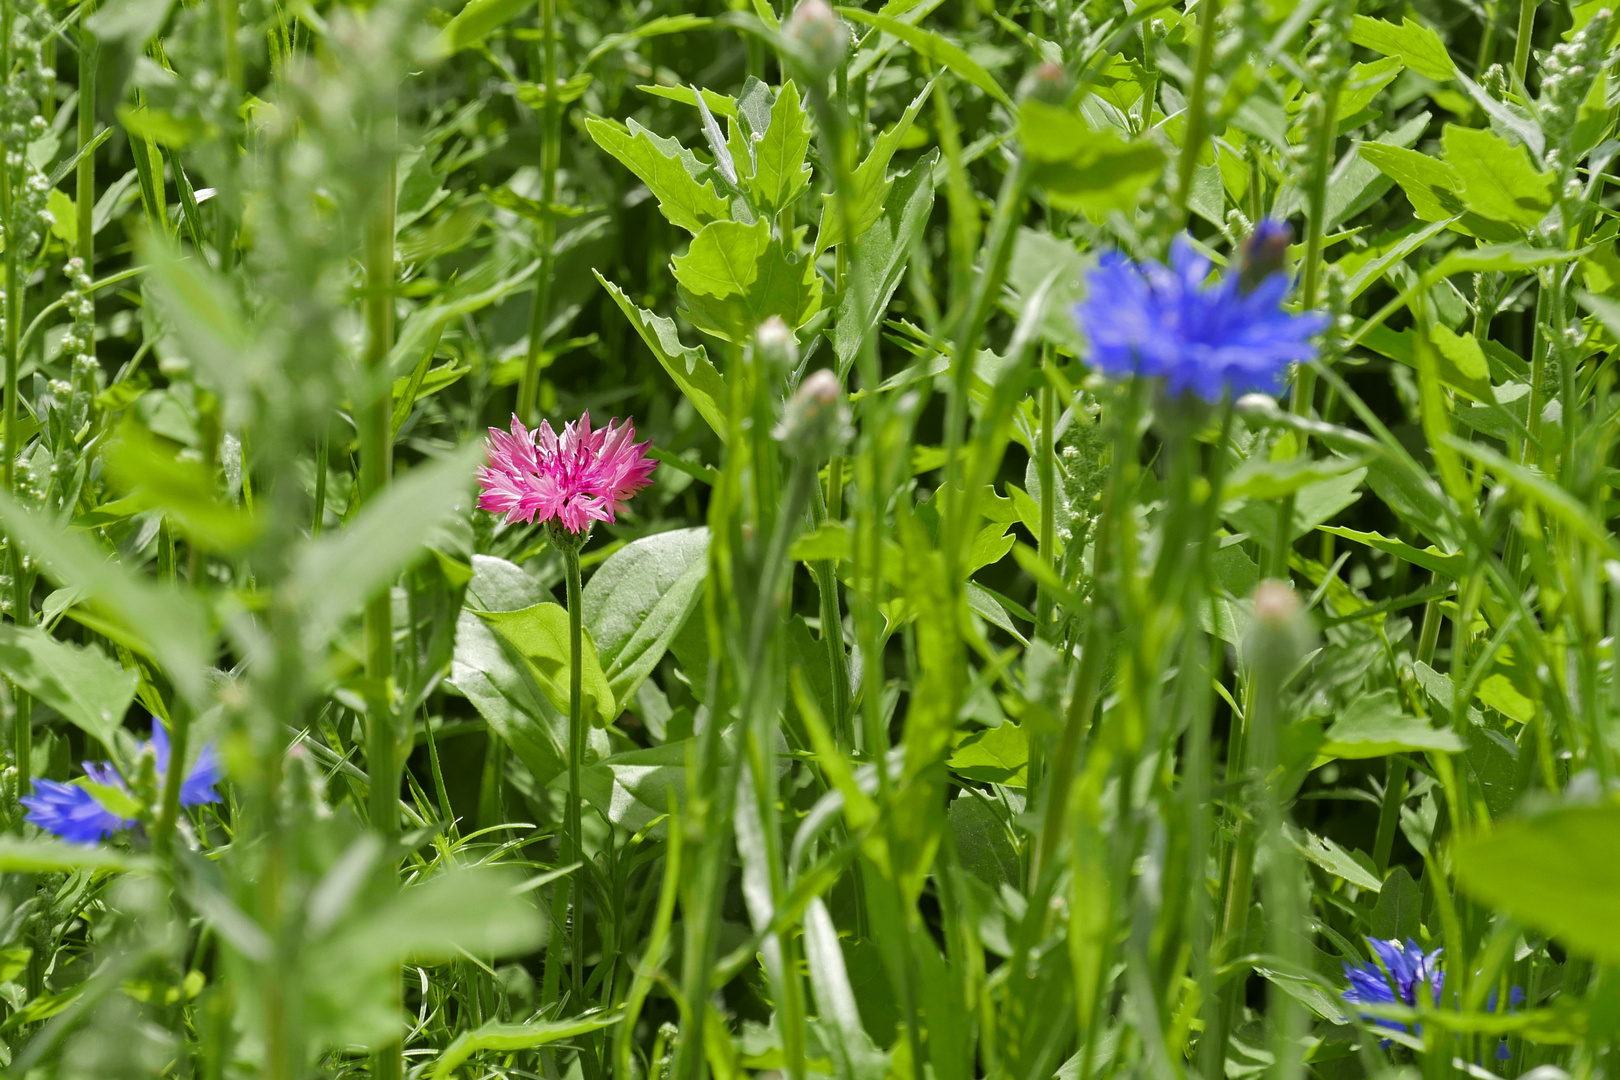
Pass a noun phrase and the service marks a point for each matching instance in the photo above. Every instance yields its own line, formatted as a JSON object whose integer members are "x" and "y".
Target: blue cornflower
{"x": 74, "y": 813}
{"x": 1394, "y": 978}
{"x": 1231, "y": 336}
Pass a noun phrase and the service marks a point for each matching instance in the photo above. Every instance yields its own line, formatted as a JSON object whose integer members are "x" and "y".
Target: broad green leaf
{"x": 1430, "y": 184}
{"x": 1497, "y": 178}
{"x": 719, "y": 104}
{"x": 637, "y": 600}
{"x": 158, "y": 621}
{"x": 999, "y": 755}
{"x": 1082, "y": 169}
{"x": 1555, "y": 872}
{"x": 208, "y": 322}
{"x": 870, "y": 181}
{"x": 781, "y": 174}
{"x": 1462, "y": 363}
{"x": 1418, "y": 47}
{"x": 499, "y": 1036}
{"x": 1504, "y": 257}
{"x": 335, "y": 574}
{"x": 1336, "y": 861}
{"x": 156, "y": 477}
{"x": 1374, "y": 725}
{"x": 983, "y": 844}
{"x": 881, "y": 259}
{"x": 633, "y": 789}
{"x": 475, "y": 22}
{"x": 77, "y": 681}
{"x": 690, "y": 368}
{"x": 540, "y": 635}
{"x": 495, "y": 678}
{"x": 735, "y": 276}
{"x": 928, "y": 44}
{"x": 1365, "y": 83}
{"x": 479, "y": 910}
{"x": 669, "y": 170}
{"x": 1315, "y": 503}
{"x": 839, "y": 1017}
{"x": 1398, "y": 915}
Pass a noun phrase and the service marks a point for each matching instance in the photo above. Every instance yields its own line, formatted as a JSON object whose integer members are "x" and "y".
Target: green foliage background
{"x": 947, "y": 739}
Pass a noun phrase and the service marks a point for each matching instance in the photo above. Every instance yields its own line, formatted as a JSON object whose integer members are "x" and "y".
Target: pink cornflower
{"x": 572, "y": 479}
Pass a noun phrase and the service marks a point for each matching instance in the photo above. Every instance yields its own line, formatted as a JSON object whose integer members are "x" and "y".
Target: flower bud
{"x": 815, "y": 421}
{"x": 1047, "y": 83}
{"x": 820, "y": 38}
{"x": 1265, "y": 252}
{"x": 775, "y": 346}
{"x": 1282, "y": 632}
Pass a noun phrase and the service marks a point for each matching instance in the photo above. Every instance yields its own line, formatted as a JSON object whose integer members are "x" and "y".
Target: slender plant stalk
{"x": 1209, "y": 13}
{"x": 576, "y": 763}
{"x": 376, "y": 467}
{"x": 550, "y": 156}
{"x": 1521, "y": 43}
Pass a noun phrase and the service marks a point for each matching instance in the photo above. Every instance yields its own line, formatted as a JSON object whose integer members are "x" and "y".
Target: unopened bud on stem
{"x": 1047, "y": 83}
{"x": 775, "y": 347}
{"x": 1265, "y": 252}
{"x": 815, "y": 421}
{"x": 820, "y": 36}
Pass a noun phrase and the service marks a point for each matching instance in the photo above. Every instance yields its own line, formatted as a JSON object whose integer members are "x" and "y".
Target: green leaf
{"x": 499, "y": 1036}
{"x": 1555, "y": 872}
{"x": 1374, "y": 725}
{"x": 1498, "y": 180}
{"x": 735, "y": 276}
{"x": 633, "y": 789}
{"x": 931, "y": 46}
{"x": 781, "y": 174}
{"x": 654, "y": 27}
{"x": 1430, "y": 558}
{"x": 676, "y": 178}
{"x": 540, "y": 635}
{"x": 42, "y": 856}
{"x": 999, "y": 755}
{"x": 1462, "y": 363}
{"x": 1398, "y": 915}
{"x": 1429, "y": 183}
{"x": 637, "y": 600}
{"x": 183, "y": 488}
{"x": 871, "y": 182}
{"x": 89, "y": 690}
{"x": 534, "y": 96}
{"x": 335, "y": 574}
{"x": 1081, "y": 169}
{"x": 1418, "y": 47}
{"x": 983, "y": 844}
{"x": 1336, "y": 861}
{"x": 475, "y": 22}
{"x": 690, "y": 368}
{"x": 881, "y": 259}
{"x": 495, "y": 678}
{"x": 160, "y": 622}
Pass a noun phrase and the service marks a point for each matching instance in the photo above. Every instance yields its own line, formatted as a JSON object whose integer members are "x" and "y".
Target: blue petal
{"x": 71, "y": 812}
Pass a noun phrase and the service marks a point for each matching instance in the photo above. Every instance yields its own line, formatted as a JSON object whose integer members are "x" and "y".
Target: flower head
{"x": 1154, "y": 320}
{"x": 572, "y": 479}
{"x": 75, "y": 813}
{"x": 1393, "y": 977}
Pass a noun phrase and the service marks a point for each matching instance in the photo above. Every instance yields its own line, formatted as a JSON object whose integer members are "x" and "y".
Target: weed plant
{"x": 1119, "y": 581}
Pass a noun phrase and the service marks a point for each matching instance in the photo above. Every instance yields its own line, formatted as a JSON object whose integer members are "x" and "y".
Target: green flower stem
{"x": 1209, "y": 13}
{"x": 576, "y": 762}
{"x": 1310, "y": 293}
{"x": 84, "y": 181}
{"x": 550, "y": 156}
{"x": 376, "y": 467}
{"x": 1521, "y": 44}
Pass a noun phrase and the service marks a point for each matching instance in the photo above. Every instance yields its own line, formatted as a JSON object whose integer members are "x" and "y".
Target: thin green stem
{"x": 550, "y": 155}
{"x": 1197, "y": 104}
{"x": 376, "y": 468}
{"x": 576, "y": 763}
{"x": 1521, "y": 43}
